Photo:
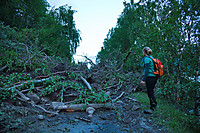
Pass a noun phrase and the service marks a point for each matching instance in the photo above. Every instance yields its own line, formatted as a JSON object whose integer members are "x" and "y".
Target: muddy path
{"x": 128, "y": 117}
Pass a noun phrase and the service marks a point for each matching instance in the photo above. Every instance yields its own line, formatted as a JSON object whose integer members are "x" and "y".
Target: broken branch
{"x": 22, "y": 95}
{"x": 118, "y": 97}
{"x": 85, "y": 81}
{"x": 91, "y": 62}
{"x": 121, "y": 66}
{"x": 46, "y": 111}
{"x": 84, "y": 119}
{"x": 25, "y": 82}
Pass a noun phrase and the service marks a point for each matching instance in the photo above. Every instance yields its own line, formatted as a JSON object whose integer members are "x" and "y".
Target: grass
{"x": 170, "y": 116}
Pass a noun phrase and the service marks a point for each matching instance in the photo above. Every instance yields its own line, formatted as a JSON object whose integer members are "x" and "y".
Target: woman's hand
{"x": 142, "y": 82}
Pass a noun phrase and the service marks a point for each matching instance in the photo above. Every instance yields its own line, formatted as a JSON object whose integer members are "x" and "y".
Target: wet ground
{"x": 128, "y": 119}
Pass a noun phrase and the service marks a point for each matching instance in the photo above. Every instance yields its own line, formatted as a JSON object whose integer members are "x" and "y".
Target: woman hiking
{"x": 149, "y": 78}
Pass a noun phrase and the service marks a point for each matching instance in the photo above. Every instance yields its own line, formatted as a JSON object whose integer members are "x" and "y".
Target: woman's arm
{"x": 146, "y": 71}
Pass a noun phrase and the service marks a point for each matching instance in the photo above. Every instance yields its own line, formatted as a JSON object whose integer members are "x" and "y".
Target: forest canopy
{"x": 39, "y": 26}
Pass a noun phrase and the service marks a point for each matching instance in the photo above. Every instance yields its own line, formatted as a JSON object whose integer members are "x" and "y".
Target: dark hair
{"x": 147, "y": 50}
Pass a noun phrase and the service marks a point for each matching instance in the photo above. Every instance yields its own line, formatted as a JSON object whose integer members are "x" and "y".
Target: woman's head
{"x": 147, "y": 51}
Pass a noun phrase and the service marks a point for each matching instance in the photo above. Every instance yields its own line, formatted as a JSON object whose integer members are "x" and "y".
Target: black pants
{"x": 150, "y": 84}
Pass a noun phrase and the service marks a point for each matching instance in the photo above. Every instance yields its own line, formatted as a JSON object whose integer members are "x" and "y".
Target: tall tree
{"x": 171, "y": 29}
{"x": 22, "y": 13}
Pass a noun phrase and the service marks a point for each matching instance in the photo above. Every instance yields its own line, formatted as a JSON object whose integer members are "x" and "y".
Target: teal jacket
{"x": 148, "y": 65}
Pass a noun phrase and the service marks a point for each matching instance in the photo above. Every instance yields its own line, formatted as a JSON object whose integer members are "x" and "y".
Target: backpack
{"x": 158, "y": 67}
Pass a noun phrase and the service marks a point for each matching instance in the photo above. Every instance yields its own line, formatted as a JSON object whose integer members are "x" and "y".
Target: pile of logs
{"x": 96, "y": 78}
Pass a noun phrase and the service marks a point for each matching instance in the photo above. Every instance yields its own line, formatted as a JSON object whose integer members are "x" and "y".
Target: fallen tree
{"x": 78, "y": 107}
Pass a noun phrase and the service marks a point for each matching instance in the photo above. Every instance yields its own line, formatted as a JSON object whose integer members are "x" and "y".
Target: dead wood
{"x": 46, "y": 111}
{"x": 70, "y": 102}
{"x": 84, "y": 119}
{"x": 119, "y": 87}
{"x": 26, "y": 47}
{"x": 34, "y": 55}
{"x": 26, "y": 99}
{"x": 118, "y": 97}
{"x": 4, "y": 67}
{"x": 113, "y": 86}
{"x": 22, "y": 96}
{"x": 71, "y": 95}
{"x": 134, "y": 100}
{"x": 51, "y": 74}
{"x": 25, "y": 90}
{"x": 121, "y": 66}
{"x": 87, "y": 84}
{"x": 90, "y": 61}
{"x": 24, "y": 82}
{"x": 46, "y": 56}
{"x": 78, "y": 107}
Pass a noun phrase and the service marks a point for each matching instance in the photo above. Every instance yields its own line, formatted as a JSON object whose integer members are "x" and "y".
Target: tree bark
{"x": 77, "y": 107}
{"x": 85, "y": 81}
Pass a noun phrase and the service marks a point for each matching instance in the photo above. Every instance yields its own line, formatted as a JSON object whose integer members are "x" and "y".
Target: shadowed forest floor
{"x": 131, "y": 119}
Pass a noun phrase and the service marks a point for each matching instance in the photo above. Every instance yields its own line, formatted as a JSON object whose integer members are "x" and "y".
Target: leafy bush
{"x": 9, "y": 81}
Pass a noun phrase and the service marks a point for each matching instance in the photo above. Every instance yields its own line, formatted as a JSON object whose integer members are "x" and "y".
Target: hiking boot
{"x": 148, "y": 111}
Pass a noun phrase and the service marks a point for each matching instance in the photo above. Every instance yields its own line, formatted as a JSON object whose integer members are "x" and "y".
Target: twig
{"x": 113, "y": 86}
{"x": 25, "y": 90}
{"x": 48, "y": 57}
{"x": 72, "y": 95}
{"x": 25, "y": 46}
{"x": 4, "y": 67}
{"x": 119, "y": 87}
{"x": 134, "y": 100}
{"x": 34, "y": 55}
{"x": 91, "y": 62}
{"x": 121, "y": 66}
{"x": 84, "y": 119}
{"x": 46, "y": 111}
{"x": 118, "y": 97}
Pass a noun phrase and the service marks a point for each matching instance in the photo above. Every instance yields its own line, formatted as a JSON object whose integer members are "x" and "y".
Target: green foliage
{"x": 58, "y": 32}
{"x": 10, "y": 80}
{"x": 22, "y": 13}
{"x": 169, "y": 115}
{"x": 93, "y": 97}
{"x": 52, "y": 32}
{"x": 171, "y": 29}
{"x": 57, "y": 83}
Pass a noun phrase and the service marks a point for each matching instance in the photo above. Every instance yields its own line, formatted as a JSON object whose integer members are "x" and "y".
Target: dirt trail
{"x": 132, "y": 119}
